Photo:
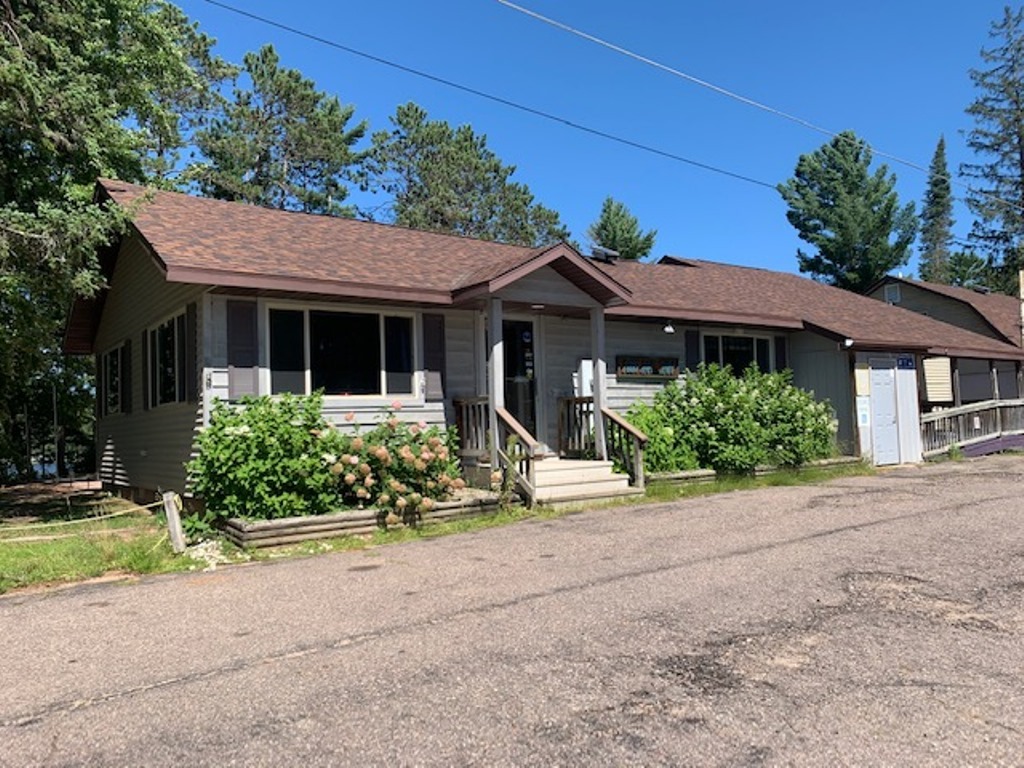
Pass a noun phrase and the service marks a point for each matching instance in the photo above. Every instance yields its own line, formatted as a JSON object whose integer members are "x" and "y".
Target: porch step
{"x": 563, "y": 480}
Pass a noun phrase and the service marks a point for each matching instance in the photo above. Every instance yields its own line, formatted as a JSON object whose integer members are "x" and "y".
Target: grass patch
{"x": 137, "y": 543}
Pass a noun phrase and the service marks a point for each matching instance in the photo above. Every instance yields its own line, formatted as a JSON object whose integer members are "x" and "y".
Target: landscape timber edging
{"x": 254, "y": 534}
{"x": 695, "y": 476}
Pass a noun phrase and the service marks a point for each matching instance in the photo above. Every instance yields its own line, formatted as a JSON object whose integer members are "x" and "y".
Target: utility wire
{"x": 490, "y": 97}
{"x": 738, "y": 97}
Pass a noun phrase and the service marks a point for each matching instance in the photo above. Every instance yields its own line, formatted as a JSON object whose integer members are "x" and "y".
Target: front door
{"x": 520, "y": 378}
{"x": 885, "y": 438}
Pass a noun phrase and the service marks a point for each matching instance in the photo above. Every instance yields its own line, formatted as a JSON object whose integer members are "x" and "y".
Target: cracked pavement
{"x": 867, "y": 621}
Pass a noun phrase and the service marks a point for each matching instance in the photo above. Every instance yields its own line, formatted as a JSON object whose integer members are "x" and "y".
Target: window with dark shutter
{"x": 243, "y": 356}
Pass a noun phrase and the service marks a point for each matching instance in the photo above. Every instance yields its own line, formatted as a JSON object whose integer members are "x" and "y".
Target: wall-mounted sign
{"x": 638, "y": 367}
{"x": 905, "y": 362}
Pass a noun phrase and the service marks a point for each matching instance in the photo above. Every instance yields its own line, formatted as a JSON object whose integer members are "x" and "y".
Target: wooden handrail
{"x": 531, "y": 443}
{"x": 964, "y": 410}
{"x": 616, "y": 417}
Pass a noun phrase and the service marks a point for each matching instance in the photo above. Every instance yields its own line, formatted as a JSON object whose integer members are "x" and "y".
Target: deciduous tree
{"x": 850, "y": 215}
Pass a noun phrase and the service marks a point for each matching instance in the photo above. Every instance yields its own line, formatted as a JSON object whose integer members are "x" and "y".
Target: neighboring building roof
{"x": 236, "y": 246}
{"x": 1000, "y": 311}
{"x": 704, "y": 291}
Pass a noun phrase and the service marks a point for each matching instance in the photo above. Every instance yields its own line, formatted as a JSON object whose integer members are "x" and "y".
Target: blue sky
{"x": 894, "y": 71}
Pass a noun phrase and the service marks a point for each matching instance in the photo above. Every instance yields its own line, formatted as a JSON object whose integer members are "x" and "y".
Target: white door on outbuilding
{"x": 885, "y": 436}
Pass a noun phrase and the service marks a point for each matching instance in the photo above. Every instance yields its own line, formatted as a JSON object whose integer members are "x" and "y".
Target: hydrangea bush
{"x": 279, "y": 457}
{"x": 719, "y": 421}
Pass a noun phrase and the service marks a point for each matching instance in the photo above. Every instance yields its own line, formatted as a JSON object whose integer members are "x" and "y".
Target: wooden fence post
{"x": 172, "y": 508}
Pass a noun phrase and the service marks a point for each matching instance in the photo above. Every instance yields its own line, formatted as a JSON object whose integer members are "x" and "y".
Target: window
{"x": 346, "y": 353}
{"x": 166, "y": 362}
{"x": 892, "y": 293}
{"x": 739, "y": 352}
{"x": 112, "y": 370}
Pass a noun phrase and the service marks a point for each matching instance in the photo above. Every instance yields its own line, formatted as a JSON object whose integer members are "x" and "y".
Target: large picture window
{"x": 739, "y": 352}
{"x": 344, "y": 353}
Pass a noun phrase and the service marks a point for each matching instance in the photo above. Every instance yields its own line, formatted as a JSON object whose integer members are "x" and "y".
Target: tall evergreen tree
{"x": 937, "y": 220}
{"x": 281, "y": 144}
{"x": 997, "y": 195}
{"x": 850, "y": 215}
{"x": 77, "y": 89}
{"x": 446, "y": 179}
{"x": 616, "y": 228}
{"x": 967, "y": 269}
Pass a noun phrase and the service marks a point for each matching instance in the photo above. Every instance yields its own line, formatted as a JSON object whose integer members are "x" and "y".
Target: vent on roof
{"x": 982, "y": 289}
{"x": 892, "y": 293}
{"x": 600, "y": 253}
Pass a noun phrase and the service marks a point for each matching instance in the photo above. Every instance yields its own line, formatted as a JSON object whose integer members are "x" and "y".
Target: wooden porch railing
{"x": 969, "y": 424}
{"x": 624, "y": 442}
{"x": 517, "y": 449}
{"x": 473, "y": 424}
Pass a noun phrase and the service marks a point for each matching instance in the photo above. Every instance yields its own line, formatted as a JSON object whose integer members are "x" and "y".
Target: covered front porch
{"x": 546, "y": 437}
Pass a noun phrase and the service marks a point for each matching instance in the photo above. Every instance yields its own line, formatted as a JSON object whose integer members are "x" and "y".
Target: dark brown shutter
{"x": 691, "y": 340}
{"x": 126, "y": 376}
{"x": 243, "y": 358}
{"x": 434, "y": 357}
{"x": 192, "y": 367}
{"x": 146, "y": 389}
{"x": 781, "y": 359}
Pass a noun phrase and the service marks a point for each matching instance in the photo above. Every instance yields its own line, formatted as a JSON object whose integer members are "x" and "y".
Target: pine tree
{"x": 282, "y": 144}
{"x": 446, "y": 179}
{"x": 997, "y": 195}
{"x": 968, "y": 270}
{"x": 78, "y": 85}
{"x": 850, "y": 215}
{"x": 937, "y": 220}
{"x": 616, "y": 228}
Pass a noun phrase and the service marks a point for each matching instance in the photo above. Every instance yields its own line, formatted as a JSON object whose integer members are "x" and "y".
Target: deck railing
{"x": 968, "y": 424}
{"x": 517, "y": 449}
{"x": 624, "y": 442}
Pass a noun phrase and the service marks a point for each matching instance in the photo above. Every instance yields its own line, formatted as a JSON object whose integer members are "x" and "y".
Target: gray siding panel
{"x": 819, "y": 367}
{"x": 941, "y": 308}
{"x": 146, "y": 448}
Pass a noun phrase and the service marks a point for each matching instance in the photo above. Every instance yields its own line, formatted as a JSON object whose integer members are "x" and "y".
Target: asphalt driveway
{"x": 867, "y": 621}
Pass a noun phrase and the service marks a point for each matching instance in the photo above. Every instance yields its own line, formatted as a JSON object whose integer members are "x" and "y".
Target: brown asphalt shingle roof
{"x": 213, "y": 241}
{"x": 1000, "y": 311}
{"x": 205, "y": 241}
{"x": 686, "y": 289}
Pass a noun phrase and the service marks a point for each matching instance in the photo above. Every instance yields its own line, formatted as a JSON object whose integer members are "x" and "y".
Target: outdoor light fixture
{"x": 668, "y": 327}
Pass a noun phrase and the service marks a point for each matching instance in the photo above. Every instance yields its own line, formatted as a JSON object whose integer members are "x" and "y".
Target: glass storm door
{"x": 520, "y": 379}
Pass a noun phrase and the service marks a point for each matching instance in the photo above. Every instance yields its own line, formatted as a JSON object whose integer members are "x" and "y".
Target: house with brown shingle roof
{"x": 210, "y": 300}
{"x": 951, "y": 381}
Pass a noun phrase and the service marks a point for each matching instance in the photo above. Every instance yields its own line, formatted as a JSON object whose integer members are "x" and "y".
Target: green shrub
{"x": 263, "y": 459}
{"x": 278, "y": 457}
{"x": 397, "y": 467}
{"x": 733, "y": 424}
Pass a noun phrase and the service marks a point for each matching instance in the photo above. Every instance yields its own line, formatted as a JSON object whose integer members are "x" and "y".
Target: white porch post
{"x": 496, "y": 380}
{"x": 597, "y": 355}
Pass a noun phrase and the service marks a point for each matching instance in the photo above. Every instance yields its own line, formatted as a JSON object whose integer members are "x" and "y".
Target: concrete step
{"x": 574, "y": 473}
{"x": 564, "y": 500}
{"x": 595, "y": 489}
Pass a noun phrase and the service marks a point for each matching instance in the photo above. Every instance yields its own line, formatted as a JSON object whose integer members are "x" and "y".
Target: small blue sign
{"x": 905, "y": 362}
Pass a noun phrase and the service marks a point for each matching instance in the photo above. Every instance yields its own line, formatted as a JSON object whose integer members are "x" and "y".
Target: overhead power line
{"x": 490, "y": 96}
{"x": 736, "y": 96}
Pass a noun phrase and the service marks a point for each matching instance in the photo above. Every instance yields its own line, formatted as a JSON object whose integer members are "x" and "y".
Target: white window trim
{"x": 416, "y": 397}
{"x": 153, "y": 386}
